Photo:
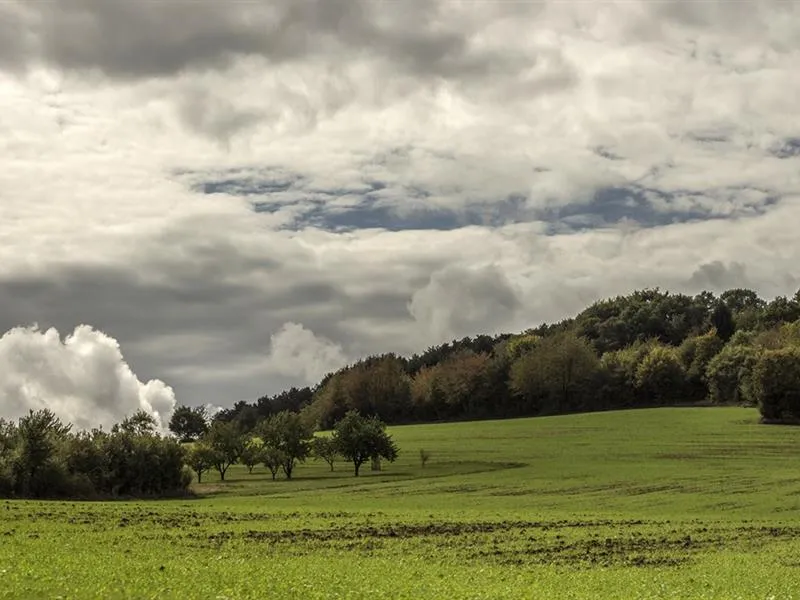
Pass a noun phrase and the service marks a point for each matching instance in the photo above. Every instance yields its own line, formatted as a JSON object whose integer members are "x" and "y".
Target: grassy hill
{"x": 659, "y": 503}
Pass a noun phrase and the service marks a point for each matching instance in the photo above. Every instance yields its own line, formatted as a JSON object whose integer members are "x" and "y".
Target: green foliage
{"x": 520, "y": 345}
{"x": 695, "y": 353}
{"x": 139, "y": 423}
{"x": 40, "y": 457}
{"x": 200, "y": 458}
{"x": 289, "y": 434}
{"x": 459, "y": 385}
{"x": 325, "y": 449}
{"x": 780, "y": 310}
{"x": 776, "y": 385}
{"x": 556, "y": 374}
{"x": 729, "y": 374}
{"x": 648, "y": 314}
{"x": 660, "y": 377}
{"x": 252, "y": 453}
{"x": 517, "y": 375}
{"x": 723, "y": 322}
{"x": 226, "y": 443}
{"x": 188, "y": 423}
{"x": 359, "y": 439}
{"x": 273, "y": 459}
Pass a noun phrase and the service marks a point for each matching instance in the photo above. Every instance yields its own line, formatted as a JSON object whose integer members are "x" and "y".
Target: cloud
{"x": 189, "y": 178}
{"x": 83, "y": 379}
{"x": 124, "y": 39}
{"x": 295, "y": 351}
{"x": 459, "y": 301}
{"x": 717, "y": 276}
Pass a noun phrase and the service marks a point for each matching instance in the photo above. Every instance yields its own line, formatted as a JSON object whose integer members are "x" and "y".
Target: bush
{"x": 776, "y": 385}
{"x": 729, "y": 374}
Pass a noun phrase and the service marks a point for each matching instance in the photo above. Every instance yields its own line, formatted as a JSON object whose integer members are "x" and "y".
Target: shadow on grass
{"x": 261, "y": 486}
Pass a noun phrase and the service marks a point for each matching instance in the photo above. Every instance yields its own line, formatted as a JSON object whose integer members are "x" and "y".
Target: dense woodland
{"x": 650, "y": 348}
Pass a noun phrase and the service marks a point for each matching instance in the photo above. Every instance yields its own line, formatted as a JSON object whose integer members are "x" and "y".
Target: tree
{"x": 360, "y": 439}
{"x": 660, "y": 375}
{"x": 288, "y": 433}
{"x": 554, "y": 375}
{"x": 251, "y": 453}
{"x": 729, "y": 373}
{"x": 189, "y": 423}
{"x": 723, "y": 322}
{"x": 226, "y": 444}
{"x": 324, "y": 448}
{"x": 139, "y": 423}
{"x": 695, "y": 354}
{"x": 776, "y": 385}
{"x": 200, "y": 459}
{"x": 740, "y": 299}
{"x": 273, "y": 459}
{"x": 780, "y": 310}
{"x": 39, "y": 433}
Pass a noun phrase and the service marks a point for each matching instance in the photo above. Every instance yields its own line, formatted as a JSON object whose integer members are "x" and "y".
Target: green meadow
{"x": 660, "y": 503}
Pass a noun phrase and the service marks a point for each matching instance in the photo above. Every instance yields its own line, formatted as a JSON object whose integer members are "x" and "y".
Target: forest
{"x": 648, "y": 348}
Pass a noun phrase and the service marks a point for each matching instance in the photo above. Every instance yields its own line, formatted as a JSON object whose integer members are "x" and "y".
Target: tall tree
{"x": 722, "y": 320}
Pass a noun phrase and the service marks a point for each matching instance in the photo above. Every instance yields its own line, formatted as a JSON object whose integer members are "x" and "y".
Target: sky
{"x": 203, "y": 202}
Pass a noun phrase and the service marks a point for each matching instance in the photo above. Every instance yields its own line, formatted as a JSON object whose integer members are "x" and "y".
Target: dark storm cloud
{"x": 128, "y": 39}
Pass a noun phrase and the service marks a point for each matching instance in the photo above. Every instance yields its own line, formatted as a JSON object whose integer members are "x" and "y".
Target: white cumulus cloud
{"x": 83, "y": 378}
{"x": 296, "y": 351}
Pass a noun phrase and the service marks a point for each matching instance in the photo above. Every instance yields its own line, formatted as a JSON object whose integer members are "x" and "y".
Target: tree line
{"x": 41, "y": 457}
{"x": 648, "y": 348}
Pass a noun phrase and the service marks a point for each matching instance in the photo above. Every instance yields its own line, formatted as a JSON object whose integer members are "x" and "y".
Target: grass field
{"x": 663, "y": 503}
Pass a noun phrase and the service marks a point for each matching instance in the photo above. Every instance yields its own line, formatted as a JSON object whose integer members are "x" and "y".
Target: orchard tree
{"x": 273, "y": 459}
{"x": 200, "y": 459}
{"x": 324, "y": 448}
{"x": 189, "y": 423}
{"x": 288, "y": 433}
{"x": 226, "y": 443}
{"x": 360, "y": 439}
{"x": 251, "y": 453}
